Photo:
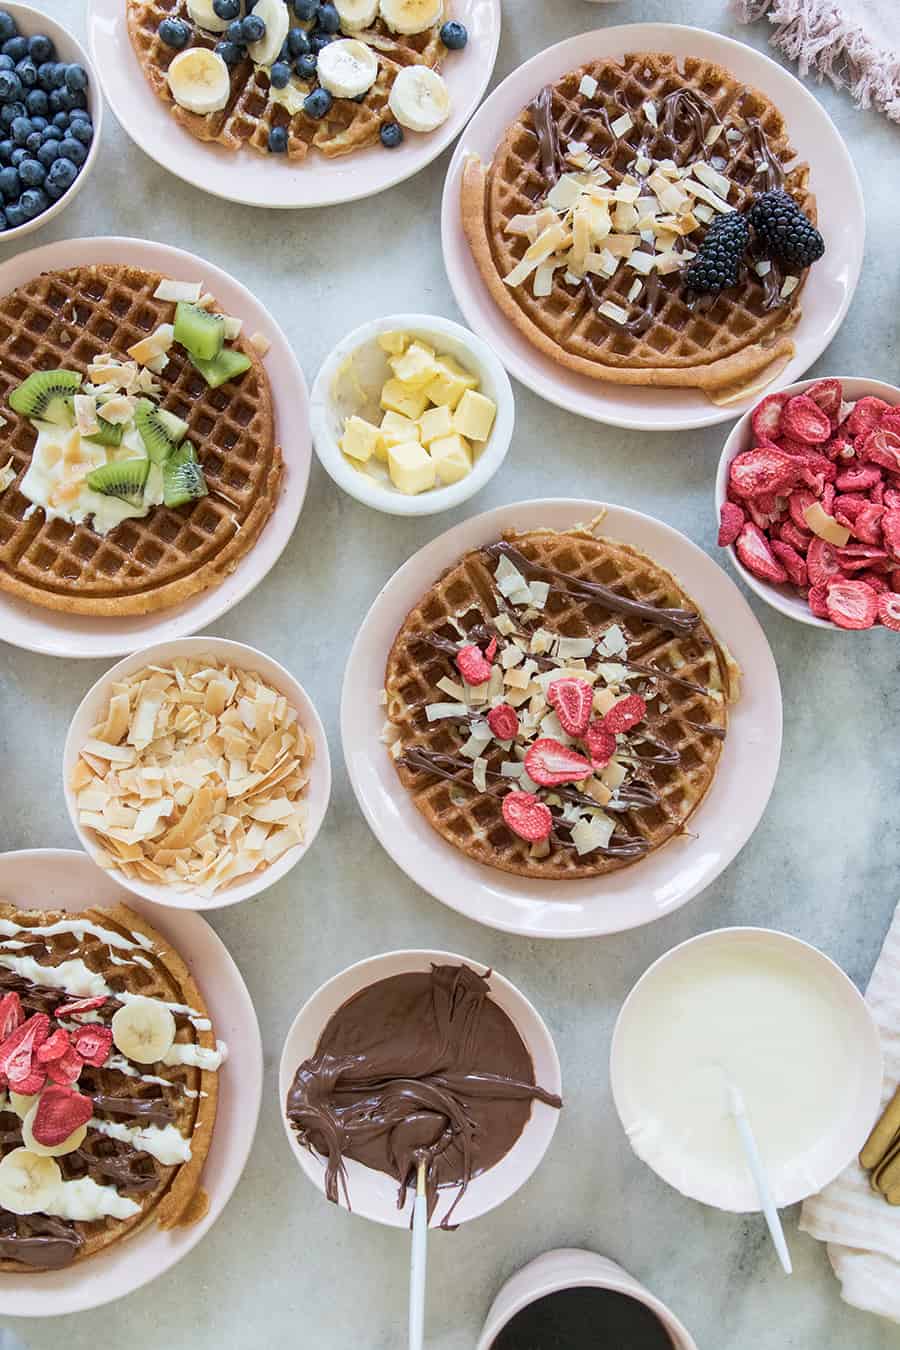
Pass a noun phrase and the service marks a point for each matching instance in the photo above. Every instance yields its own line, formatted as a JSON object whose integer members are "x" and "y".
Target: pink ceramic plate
{"x": 638, "y": 894}
{"x": 831, "y": 284}
{"x": 55, "y": 878}
{"x": 254, "y": 179}
{"x": 59, "y": 634}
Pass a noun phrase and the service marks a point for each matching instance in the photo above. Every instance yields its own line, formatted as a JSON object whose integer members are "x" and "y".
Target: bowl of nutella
{"x": 411, "y": 1057}
{"x": 571, "y": 1297}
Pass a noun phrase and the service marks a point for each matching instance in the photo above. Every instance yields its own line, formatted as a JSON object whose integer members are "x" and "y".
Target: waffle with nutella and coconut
{"x": 142, "y": 436}
{"x": 109, "y": 1084}
{"x": 557, "y": 705}
{"x": 591, "y": 222}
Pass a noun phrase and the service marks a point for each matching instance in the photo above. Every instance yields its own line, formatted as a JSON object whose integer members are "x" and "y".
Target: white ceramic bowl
{"x": 68, "y": 49}
{"x": 785, "y": 598}
{"x": 329, "y": 405}
{"x": 374, "y": 1194}
{"x": 93, "y": 706}
{"x": 853, "y": 1029}
{"x": 573, "y": 1268}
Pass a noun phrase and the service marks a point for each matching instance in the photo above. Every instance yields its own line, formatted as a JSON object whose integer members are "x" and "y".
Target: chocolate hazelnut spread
{"x": 584, "y": 1319}
{"x": 38, "y": 1240}
{"x": 422, "y": 1066}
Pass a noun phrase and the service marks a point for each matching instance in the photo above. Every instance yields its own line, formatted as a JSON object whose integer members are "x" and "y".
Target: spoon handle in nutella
{"x": 418, "y": 1264}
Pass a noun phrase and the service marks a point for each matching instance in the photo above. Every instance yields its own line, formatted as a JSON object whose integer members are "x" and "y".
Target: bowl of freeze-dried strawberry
{"x": 808, "y": 500}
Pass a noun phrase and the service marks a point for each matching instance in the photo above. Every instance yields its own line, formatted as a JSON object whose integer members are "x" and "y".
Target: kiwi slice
{"x": 45, "y": 395}
{"x": 227, "y": 366}
{"x": 198, "y": 331}
{"x": 161, "y": 431}
{"x": 109, "y": 433}
{"x": 183, "y": 479}
{"x": 125, "y": 479}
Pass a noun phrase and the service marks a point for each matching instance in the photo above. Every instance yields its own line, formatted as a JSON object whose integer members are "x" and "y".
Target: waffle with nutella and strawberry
{"x": 108, "y": 1065}
{"x": 646, "y": 221}
{"x": 557, "y": 704}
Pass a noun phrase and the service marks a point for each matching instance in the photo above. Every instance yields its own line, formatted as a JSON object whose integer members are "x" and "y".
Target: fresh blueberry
{"x": 32, "y": 172}
{"x": 10, "y": 111}
{"x": 33, "y": 143}
{"x": 15, "y": 216}
{"x": 8, "y": 27}
{"x": 37, "y": 103}
{"x": 40, "y": 48}
{"x": 47, "y": 76}
{"x": 230, "y": 53}
{"x": 280, "y": 74}
{"x": 27, "y": 72}
{"x": 62, "y": 174}
{"x": 174, "y": 33}
{"x": 317, "y": 104}
{"x": 235, "y": 33}
{"x": 39, "y": 123}
{"x": 51, "y": 133}
{"x": 18, "y": 155}
{"x": 6, "y": 62}
{"x": 2, "y": 219}
{"x": 16, "y": 47}
{"x": 227, "y": 9}
{"x": 76, "y": 79}
{"x": 253, "y": 28}
{"x": 10, "y": 86}
{"x": 48, "y": 154}
{"x": 54, "y": 190}
{"x": 71, "y": 149}
{"x": 306, "y": 9}
{"x": 278, "y": 140}
{"x": 10, "y": 187}
{"x": 306, "y": 66}
{"x": 21, "y": 129}
{"x": 33, "y": 202}
{"x": 56, "y": 101}
{"x": 329, "y": 19}
{"x": 454, "y": 35}
{"x": 6, "y": 149}
{"x": 320, "y": 40}
{"x": 60, "y": 120}
{"x": 391, "y": 135}
{"x": 78, "y": 115}
{"x": 297, "y": 42}
{"x": 72, "y": 101}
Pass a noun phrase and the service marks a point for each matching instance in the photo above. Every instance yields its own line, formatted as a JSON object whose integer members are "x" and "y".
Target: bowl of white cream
{"x": 764, "y": 1012}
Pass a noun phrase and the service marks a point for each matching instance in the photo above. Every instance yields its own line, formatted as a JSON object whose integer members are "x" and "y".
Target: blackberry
{"x": 718, "y": 262}
{"x": 785, "y": 230}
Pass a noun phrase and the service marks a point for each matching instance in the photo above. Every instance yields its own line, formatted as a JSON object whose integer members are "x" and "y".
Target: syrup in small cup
{"x": 350, "y": 382}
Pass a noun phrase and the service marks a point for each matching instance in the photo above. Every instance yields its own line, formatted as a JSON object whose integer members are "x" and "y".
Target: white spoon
{"x": 418, "y": 1263}
{"x": 763, "y": 1189}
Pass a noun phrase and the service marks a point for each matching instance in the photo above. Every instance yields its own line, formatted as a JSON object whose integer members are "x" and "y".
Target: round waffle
{"x": 251, "y": 112}
{"x": 708, "y": 346}
{"x": 687, "y": 711}
{"x": 68, "y": 319}
{"x": 168, "y": 1195}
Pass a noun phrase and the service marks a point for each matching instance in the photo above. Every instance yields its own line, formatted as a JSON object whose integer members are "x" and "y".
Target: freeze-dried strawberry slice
{"x": 866, "y": 415}
{"x": 878, "y": 582}
{"x": 573, "y": 700}
{"x": 54, "y": 1047}
{"x": 858, "y": 479}
{"x": 526, "y": 816}
{"x": 892, "y": 499}
{"x": 762, "y": 511}
{"x": 894, "y": 578}
{"x": 601, "y": 745}
{"x": 839, "y": 450}
{"x": 18, "y": 1049}
{"x": 766, "y": 417}
{"x": 791, "y": 561}
{"x": 889, "y": 610}
{"x": 762, "y": 470}
{"x": 818, "y": 472}
{"x": 798, "y": 503}
{"x": 851, "y": 604}
{"x": 731, "y": 520}
{"x": 60, "y": 1112}
{"x": 66, "y": 1070}
{"x": 882, "y": 446}
{"x": 793, "y": 535}
{"x": 549, "y": 763}
{"x": 490, "y": 650}
{"x": 816, "y": 601}
{"x": 31, "y": 1083}
{"x": 805, "y": 421}
{"x": 876, "y": 493}
{"x": 503, "y": 721}
{"x": 80, "y": 1005}
{"x": 625, "y": 714}
{"x": 756, "y": 555}
{"x": 93, "y": 1044}
{"x": 847, "y": 506}
{"x": 822, "y": 562}
{"x": 890, "y": 529}
{"x": 473, "y": 665}
{"x": 829, "y": 396}
{"x": 867, "y": 523}
{"x": 11, "y": 1015}
{"x": 857, "y": 557}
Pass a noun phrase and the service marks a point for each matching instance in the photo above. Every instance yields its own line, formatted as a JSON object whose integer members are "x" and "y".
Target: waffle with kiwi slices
{"x": 608, "y": 121}
{"x": 91, "y": 1067}
{"x": 645, "y": 637}
{"x": 66, "y": 320}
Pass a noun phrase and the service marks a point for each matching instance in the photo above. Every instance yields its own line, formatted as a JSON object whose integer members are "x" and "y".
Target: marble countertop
{"x": 283, "y": 1268}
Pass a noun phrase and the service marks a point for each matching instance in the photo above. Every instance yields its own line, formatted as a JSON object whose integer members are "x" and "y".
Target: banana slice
{"x": 68, "y": 1145}
{"x": 203, "y": 14}
{"x": 199, "y": 80}
{"x": 22, "y": 1103}
{"x": 419, "y": 98}
{"x": 356, "y": 14}
{"x": 28, "y": 1182}
{"x": 143, "y": 1030}
{"x": 347, "y": 68}
{"x": 274, "y": 14}
{"x": 411, "y": 16}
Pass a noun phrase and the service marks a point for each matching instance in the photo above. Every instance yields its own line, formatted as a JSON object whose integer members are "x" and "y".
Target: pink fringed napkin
{"x": 853, "y": 43}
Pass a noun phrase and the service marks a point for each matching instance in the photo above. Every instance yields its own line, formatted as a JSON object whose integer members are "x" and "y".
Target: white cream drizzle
{"x": 73, "y": 975}
{"x": 84, "y": 1201}
{"x": 167, "y": 1145}
{"x": 120, "y": 1064}
{"x": 76, "y": 927}
{"x": 197, "y": 1056}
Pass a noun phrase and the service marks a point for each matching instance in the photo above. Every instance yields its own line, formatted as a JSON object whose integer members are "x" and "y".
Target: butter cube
{"x": 400, "y": 398}
{"x": 359, "y": 439}
{"x": 416, "y": 367}
{"x": 411, "y": 467}
{"x": 450, "y": 382}
{"x": 395, "y": 343}
{"x": 434, "y": 423}
{"x": 474, "y": 416}
{"x": 452, "y": 457}
{"x": 394, "y": 430}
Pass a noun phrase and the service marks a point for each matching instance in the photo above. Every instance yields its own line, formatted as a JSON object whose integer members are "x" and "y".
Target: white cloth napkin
{"x": 861, "y": 1229}
{"x": 853, "y": 43}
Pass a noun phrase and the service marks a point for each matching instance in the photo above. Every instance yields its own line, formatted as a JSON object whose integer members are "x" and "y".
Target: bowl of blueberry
{"x": 50, "y": 119}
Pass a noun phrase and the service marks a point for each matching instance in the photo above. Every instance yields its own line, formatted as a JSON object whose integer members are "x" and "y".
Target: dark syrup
{"x": 584, "y": 1319}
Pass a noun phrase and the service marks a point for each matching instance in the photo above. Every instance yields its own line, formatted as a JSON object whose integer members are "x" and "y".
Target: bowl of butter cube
{"x": 412, "y": 414}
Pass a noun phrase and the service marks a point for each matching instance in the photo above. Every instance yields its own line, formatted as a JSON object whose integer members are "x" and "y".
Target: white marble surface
{"x": 282, "y": 1268}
